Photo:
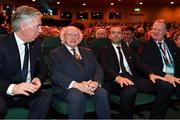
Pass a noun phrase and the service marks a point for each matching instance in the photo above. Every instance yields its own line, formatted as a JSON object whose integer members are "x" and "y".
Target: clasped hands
{"x": 27, "y": 88}
{"x": 88, "y": 87}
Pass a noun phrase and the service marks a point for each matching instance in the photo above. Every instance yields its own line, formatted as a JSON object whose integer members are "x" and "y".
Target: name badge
{"x": 170, "y": 68}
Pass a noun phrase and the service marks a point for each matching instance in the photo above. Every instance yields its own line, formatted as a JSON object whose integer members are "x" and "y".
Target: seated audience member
{"x": 76, "y": 76}
{"x": 132, "y": 42}
{"x": 159, "y": 54}
{"x": 119, "y": 64}
{"x": 177, "y": 39}
{"x": 21, "y": 69}
{"x": 3, "y": 30}
{"x": 101, "y": 33}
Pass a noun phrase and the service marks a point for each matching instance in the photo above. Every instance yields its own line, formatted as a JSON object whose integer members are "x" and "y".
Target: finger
{"x": 177, "y": 81}
{"x": 174, "y": 84}
{"x": 153, "y": 81}
{"x": 24, "y": 93}
{"x": 131, "y": 83}
{"x": 121, "y": 84}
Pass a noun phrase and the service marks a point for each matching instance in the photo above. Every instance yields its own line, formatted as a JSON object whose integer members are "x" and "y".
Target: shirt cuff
{"x": 9, "y": 90}
{"x": 71, "y": 84}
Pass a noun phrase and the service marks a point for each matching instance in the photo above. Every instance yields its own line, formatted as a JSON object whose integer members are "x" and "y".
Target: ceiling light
{"x": 172, "y": 2}
{"x": 112, "y": 4}
{"x": 140, "y": 3}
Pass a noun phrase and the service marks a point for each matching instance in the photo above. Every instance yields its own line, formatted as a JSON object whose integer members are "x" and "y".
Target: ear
{"x": 23, "y": 26}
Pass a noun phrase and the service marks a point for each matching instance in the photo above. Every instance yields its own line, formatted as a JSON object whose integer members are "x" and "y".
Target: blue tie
{"x": 25, "y": 63}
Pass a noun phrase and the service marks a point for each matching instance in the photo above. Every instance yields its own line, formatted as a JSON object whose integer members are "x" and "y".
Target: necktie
{"x": 121, "y": 60}
{"x": 162, "y": 51}
{"x": 77, "y": 56}
{"x": 25, "y": 63}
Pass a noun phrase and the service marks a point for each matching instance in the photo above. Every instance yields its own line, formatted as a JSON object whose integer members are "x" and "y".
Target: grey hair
{"x": 23, "y": 13}
{"x": 64, "y": 31}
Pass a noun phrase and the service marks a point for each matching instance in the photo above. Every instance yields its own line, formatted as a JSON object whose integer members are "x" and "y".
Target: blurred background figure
{"x": 101, "y": 33}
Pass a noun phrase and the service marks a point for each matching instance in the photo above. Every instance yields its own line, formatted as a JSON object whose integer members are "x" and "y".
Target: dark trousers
{"x": 76, "y": 103}
{"x": 163, "y": 92}
{"x": 127, "y": 96}
{"x": 177, "y": 91}
{"x": 38, "y": 104}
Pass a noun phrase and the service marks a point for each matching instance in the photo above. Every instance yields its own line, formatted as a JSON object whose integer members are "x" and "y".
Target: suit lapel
{"x": 113, "y": 56}
{"x": 33, "y": 52}
{"x": 14, "y": 51}
{"x": 156, "y": 52}
{"x": 69, "y": 55}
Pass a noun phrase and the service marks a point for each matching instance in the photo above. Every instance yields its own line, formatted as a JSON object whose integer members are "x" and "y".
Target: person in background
{"x": 101, "y": 33}
{"x": 177, "y": 39}
{"x": 76, "y": 76}
{"x": 132, "y": 42}
{"x": 120, "y": 65}
{"x": 159, "y": 54}
{"x": 3, "y": 29}
{"x": 21, "y": 69}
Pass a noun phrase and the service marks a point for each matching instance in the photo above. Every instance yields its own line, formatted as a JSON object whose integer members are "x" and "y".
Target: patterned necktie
{"x": 162, "y": 51}
{"x": 25, "y": 63}
{"x": 121, "y": 60}
{"x": 77, "y": 56}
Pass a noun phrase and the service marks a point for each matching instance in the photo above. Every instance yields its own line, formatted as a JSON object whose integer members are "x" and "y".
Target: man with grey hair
{"x": 76, "y": 76}
{"x": 21, "y": 69}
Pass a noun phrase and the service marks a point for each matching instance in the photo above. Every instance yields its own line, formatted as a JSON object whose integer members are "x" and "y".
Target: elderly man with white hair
{"x": 76, "y": 76}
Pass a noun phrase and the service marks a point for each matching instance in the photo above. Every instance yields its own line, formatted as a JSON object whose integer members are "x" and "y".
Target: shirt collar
{"x": 69, "y": 48}
{"x": 18, "y": 40}
{"x": 159, "y": 41}
{"x": 115, "y": 45}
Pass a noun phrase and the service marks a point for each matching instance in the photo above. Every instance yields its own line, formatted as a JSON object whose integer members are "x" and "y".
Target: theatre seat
{"x": 17, "y": 113}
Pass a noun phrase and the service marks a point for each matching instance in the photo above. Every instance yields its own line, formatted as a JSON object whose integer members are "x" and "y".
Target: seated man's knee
{"x": 164, "y": 86}
{"x": 101, "y": 93}
{"x": 75, "y": 96}
{"x": 130, "y": 90}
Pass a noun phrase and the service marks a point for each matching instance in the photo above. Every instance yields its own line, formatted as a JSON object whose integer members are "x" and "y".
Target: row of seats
{"x": 50, "y": 43}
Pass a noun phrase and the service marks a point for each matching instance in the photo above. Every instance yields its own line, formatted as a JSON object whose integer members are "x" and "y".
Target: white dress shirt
{"x": 124, "y": 59}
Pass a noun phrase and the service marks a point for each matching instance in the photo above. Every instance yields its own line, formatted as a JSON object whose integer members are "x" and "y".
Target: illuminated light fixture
{"x": 117, "y": 13}
{"x": 172, "y": 2}
{"x": 58, "y": 2}
{"x": 84, "y": 4}
{"x": 140, "y": 3}
{"x": 112, "y": 4}
{"x": 119, "y": 0}
{"x": 33, "y": 0}
{"x": 137, "y": 9}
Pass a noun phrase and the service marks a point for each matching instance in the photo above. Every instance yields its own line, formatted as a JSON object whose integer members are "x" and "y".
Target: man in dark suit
{"x": 159, "y": 54}
{"x": 119, "y": 64}
{"x": 21, "y": 68}
{"x": 76, "y": 76}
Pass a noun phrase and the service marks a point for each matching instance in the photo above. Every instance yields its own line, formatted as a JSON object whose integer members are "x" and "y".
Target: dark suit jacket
{"x": 110, "y": 64}
{"x": 151, "y": 56}
{"x": 64, "y": 68}
{"x": 10, "y": 66}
